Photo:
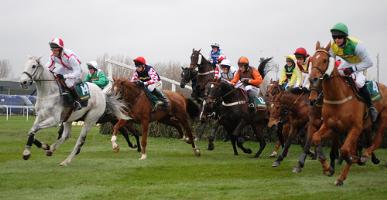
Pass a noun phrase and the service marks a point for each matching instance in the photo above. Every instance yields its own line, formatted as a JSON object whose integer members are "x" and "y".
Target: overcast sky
{"x": 164, "y": 31}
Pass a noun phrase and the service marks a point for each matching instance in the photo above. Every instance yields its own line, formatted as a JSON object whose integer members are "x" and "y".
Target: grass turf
{"x": 170, "y": 172}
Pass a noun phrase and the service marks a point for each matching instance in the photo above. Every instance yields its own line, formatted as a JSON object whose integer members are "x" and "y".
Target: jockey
{"x": 302, "y": 58}
{"x": 356, "y": 61}
{"x": 217, "y": 69}
{"x": 290, "y": 74}
{"x": 250, "y": 77}
{"x": 65, "y": 64}
{"x": 227, "y": 72}
{"x": 215, "y": 53}
{"x": 146, "y": 76}
{"x": 96, "y": 75}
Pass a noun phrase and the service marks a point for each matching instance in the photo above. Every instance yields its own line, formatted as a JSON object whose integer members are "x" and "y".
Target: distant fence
{"x": 27, "y": 110}
{"x": 110, "y": 74}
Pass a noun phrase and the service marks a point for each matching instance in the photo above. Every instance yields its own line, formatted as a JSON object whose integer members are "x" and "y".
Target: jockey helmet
{"x": 56, "y": 43}
{"x": 139, "y": 61}
{"x": 215, "y": 45}
{"x": 290, "y": 58}
{"x": 339, "y": 29}
{"x": 221, "y": 58}
{"x": 243, "y": 60}
{"x": 301, "y": 52}
{"x": 225, "y": 63}
{"x": 92, "y": 64}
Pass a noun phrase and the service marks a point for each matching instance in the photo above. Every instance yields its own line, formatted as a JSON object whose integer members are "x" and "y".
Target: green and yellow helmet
{"x": 339, "y": 29}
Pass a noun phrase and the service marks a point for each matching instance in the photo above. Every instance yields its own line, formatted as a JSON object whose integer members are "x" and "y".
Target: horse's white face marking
{"x": 318, "y": 56}
{"x": 212, "y": 85}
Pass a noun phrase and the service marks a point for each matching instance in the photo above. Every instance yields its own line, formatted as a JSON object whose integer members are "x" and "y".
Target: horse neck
{"x": 204, "y": 66}
{"x": 45, "y": 87}
{"x": 292, "y": 101}
{"x": 335, "y": 87}
{"x": 232, "y": 94}
{"x": 132, "y": 94}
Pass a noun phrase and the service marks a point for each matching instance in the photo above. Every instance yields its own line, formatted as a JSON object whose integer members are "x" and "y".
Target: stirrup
{"x": 251, "y": 105}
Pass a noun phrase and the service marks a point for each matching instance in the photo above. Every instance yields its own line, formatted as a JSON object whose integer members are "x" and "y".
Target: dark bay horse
{"x": 342, "y": 111}
{"x": 141, "y": 111}
{"x": 235, "y": 114}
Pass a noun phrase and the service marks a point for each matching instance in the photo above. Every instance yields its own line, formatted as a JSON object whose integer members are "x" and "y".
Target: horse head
{"x": 322, "y": 68}
{"x": 187, "y": 74}
{"x": 196, "y": 58}
{"x": 273, "y": 89}
{"x": 32, "y": 71}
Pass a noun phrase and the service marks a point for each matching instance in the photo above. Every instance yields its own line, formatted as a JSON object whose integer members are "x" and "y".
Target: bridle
{"x": 32, "y": 76}
{"x": 198, "y": 64}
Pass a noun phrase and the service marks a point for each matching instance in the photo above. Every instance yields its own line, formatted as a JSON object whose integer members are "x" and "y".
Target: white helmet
{"x": 215, "y": 45}
{"x": 93, "y": 64}
{"x": 226, "y": 62}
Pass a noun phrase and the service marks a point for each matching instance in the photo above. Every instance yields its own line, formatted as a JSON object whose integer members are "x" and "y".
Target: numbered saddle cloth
{"x": 82, "y": 90}
{"x": 373, "y": 89}
{"x": 259, "y": 102}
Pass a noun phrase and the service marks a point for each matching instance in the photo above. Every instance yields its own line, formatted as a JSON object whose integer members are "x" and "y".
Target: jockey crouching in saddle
{"x": 302, "y": 58}
{"x": 290, "y": 74}
{"x": 227, "y": 72}
{"x": 145, "y": 76}
{"x": 65, "y": 65}
{"x": 250, "y": 78}
{"x": 96, "y": 75}
{"x": 356, "y": 61}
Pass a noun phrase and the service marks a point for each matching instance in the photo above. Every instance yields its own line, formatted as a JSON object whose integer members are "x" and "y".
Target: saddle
{"x": 372, "y": 87}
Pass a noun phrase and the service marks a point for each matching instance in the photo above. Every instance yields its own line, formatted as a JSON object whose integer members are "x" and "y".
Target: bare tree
{"x": 5, "y": 69}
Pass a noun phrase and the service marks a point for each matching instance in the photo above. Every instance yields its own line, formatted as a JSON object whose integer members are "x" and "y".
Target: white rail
{"x": 8, "y": 108}
{"x": 110, "y": 74}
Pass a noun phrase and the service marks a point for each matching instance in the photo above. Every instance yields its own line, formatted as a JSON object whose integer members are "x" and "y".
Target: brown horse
{"x": 342, "y": 111}
{"x": 140, "y": 109}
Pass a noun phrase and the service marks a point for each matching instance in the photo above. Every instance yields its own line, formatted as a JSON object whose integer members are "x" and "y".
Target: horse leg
{"x": 239, "y": 138}
{"x": 301, "y": 160}
{"x": 276, "y": 149}
{"x": 261, "y": 139}
{"x": 136, "y": 135}
{"x": 38, "y": 124}
{"x": 376, "y": 142}
{"x": 322, "y": 134}
{"x": 334, "y": 154}
{"x": 80, "y": 141}
{"x": 66, "y": 132}
{"x": 144, "y": 137}
{"x": 233, "y": 143}
{"x": 281, "y": 157}
{"x": 347, "y": 151}
{"x": 125, "y": 133}
{"x": 183, "y": 118}
{"x": 211, "y": 138}
{"x": 121, "y": 123}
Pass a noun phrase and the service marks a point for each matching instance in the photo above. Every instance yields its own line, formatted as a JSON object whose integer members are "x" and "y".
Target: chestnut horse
{"x": 140, "y": 109}
{"x": 342, "y": 111}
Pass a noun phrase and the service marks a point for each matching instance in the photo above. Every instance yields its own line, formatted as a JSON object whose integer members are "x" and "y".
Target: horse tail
{"x": 115, "y": 107}
{"x": 192, "y": 108}
{"x": 262, "y": 65}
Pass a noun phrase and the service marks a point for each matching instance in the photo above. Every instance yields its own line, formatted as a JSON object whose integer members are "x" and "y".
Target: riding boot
{"x": 367, "y": 97}
{"x": 76, "y": 102}
{"x": 164, "y": 100}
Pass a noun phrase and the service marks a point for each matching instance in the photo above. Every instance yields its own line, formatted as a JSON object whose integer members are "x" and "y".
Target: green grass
{"x": 170, "y": 172}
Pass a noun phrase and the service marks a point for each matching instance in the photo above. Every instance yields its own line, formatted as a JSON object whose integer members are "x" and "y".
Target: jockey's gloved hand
{"x": 140, "y": 83}
{"x": 245, "y": 81}
{"x": 348, "y": 71}
{"x": 60, "y": 76}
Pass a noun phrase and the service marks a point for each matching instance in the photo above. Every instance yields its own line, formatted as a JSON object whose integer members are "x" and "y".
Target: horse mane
{"x": 261, "y": 66}
{"x": 130, "y": 91}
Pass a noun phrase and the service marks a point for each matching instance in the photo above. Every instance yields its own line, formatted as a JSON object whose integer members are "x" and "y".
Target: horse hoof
{"x": 143, "y": 157}
{"x": 134, "y": 146}
{"x": 248, "y": 151}
{"x": 63, "y": 164}
{"x": 49, "y": 153}
{"x": 139, "y": 150}
{"x": 26, "y": 157}
{"x": 297, "y": 170}
{"x": 45, "y": 147}
{"x": 197, "y": 152}
{"x": 211, "y": 147}
{"x": 275, "y": 164}
{"x": 329, "y": 172}
{"x": 339, "y": 183}
{"x": 375, "y": 161}
{"x": 256, "y": 155}
{"x": 363, "y": 160}
{"x": 273, "y": 155}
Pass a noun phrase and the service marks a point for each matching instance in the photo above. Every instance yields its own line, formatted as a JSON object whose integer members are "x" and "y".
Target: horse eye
{"x": 33, "y": 66}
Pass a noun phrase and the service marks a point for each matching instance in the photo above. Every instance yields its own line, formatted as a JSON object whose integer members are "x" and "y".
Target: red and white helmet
{"x": 220, "y": 58}
{"x": 56, "y": 43}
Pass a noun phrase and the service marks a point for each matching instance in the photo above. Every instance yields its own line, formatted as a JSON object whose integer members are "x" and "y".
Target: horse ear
{"x": 199, "y": 50}
{"x": 182, "y": 68}
{"x": 193, "y": 50}
{"x": 318, "y": 46}
{"x": 328, "y": 46}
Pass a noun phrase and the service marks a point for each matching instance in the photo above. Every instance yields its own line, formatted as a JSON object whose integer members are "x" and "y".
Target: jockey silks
{"x": 348, "y": 51}
{"x": 98, "y": 78}
{"x": 148, "y": 75}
